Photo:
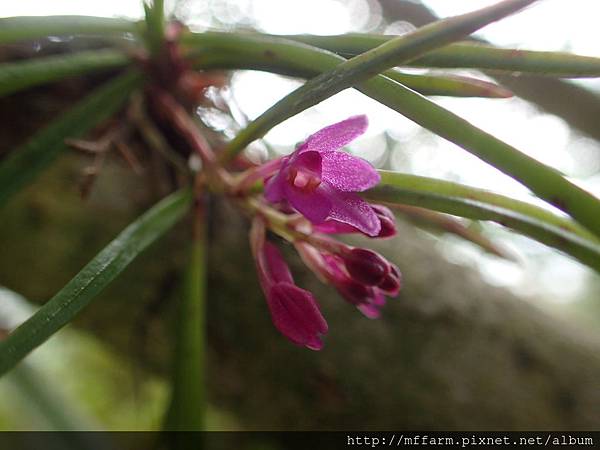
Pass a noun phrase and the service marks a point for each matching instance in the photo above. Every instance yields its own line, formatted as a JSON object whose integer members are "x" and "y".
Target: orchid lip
{"x": 303, "y": 180}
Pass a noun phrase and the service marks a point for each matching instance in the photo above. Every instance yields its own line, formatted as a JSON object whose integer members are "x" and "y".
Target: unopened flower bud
{"x": 391, "y": 282}
{"x": 354, "y": 292}
{"x": 366, "y": 266}
{"x": 387, "y": 220}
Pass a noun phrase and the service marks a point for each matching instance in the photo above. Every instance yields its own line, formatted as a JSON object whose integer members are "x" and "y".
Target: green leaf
{"x": 544, "y": 181}
{"x": 188, "y": 397}
{"x": 437, "y": 222}
{"x": 451, "y": 189}
{"x": 448, "y": 85}
{"x": 215, "y": 50}
{"x": 464, "y": 201}
{"x": 23, "y": 164}
{"x": 266, "y": 52}
{"x": 155, "y": 25}
{"x": 16, "y": 76}
{"x": 92, "y": 279}
{"x": 32, "y": 27}
{"x": 369, "y": 64}
{"x": 468, "y": 56}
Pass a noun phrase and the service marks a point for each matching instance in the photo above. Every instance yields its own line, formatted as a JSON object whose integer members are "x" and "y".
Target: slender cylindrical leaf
{"x": 458, "y": 190}
{"x": 32, "y": 27}
{"x": 463, "y": 201}
{"x": 188, "y": 396}
{"x": 215, "y": 50}
{"x": 92, "y": 279}
{"x": 448, "y": 85}
{"x": 546, "y": 182}
{"x": 23, "y": 164}
{"x": 468, "y": 56}
{"x": 443, "y": 223}
{"x": 16, "y": 76}
{"x": 368, "y": 64}
{"x": 155, "y": 25}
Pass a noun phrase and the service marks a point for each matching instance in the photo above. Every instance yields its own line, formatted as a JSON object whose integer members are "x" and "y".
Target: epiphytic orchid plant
{"x": 306, "y": 198}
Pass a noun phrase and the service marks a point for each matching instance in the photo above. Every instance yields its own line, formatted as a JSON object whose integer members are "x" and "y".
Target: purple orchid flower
{"x": 321, "y": 182}
{"x": 294, "y": 311}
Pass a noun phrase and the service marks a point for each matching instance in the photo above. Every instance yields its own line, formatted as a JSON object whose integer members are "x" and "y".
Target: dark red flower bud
{"x": 392, "y": 281}
{"x": 354, "y": 292}
{"x": 387, "y": 219}
{"x": 366, "y": 266}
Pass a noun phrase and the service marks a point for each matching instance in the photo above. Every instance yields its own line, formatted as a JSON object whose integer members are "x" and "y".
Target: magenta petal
{"x": 274, "y": 188}
{"x": 347, "y": 172}
{"x": 334, "y": 227}
{"x": 315, "y": 205}
{"x": 336, "y": 136}
{"x": 296, "y": 315}
{"x": 349, "y": 208}
{"x": 308, "y": 161}
{"x": 279, "y": 271}
{"x": 373, "y": 310}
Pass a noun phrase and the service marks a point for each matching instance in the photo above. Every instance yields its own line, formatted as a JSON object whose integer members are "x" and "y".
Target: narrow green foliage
{"x": 448, "y": 85}
{"x": 188, "y": 402}
{"x": 217, "y": 50}
{"x": 371, "y": 63}
{"x": 451, "y": 189}
{"x": 32, "y": 27}
{"x": 436, "y": 222}
{"x": 468, "y": 56}
{"x": 92, "y": 279}
{"x": 16, "y": 76}
{"x": 25, "y": 163}
{"x": 155, "y": 25}
{"x": 544, "y": 181}
{"x": 472, "y": 203}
